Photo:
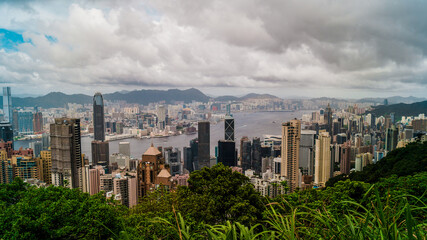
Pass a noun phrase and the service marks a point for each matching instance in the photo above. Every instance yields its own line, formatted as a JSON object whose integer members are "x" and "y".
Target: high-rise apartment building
{"x": 98, "y": 117}
{"x": 323, "y": 159}
{"x": 66, "y": 152}
{"x": 291, "y": 135}
{"x": 204, "y": 154}
{"x": 45, "y": 166}
{"x": 37, "y": 122}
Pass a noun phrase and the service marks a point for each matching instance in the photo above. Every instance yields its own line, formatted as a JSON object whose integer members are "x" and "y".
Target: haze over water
{"x": 254, "y": 124}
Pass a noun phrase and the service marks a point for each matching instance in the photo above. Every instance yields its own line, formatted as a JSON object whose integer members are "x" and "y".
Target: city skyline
{"x": 313, "y": 49}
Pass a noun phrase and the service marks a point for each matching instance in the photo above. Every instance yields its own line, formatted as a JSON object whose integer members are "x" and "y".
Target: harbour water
{"x": 254, "y": 124}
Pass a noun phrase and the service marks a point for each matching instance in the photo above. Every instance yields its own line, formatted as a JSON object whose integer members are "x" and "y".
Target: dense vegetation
{"x": 400, "y": 162}
{"x": 221, "y": 204}
{"x": 401, "y": 109}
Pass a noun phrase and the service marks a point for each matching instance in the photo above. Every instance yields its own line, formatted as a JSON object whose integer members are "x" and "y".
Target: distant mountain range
{"x": 393, "y": 100}
{"x": 401, "y": 109}
{"x": 58, "y": 99}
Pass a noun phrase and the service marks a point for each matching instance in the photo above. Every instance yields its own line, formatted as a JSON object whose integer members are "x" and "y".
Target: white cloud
{"x": 305, "y": 46}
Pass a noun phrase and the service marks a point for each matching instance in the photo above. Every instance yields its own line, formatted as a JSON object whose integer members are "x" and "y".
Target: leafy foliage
{"x": 401, "y": 162}
{"x": 216, "y": 195}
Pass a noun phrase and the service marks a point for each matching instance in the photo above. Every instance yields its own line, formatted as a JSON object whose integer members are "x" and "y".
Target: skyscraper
{"x": 245, "y": 153}
{"x": 98, "y": 117}
{"x": 38, "y": 122}
{"x": 227, "y": 154}
{"x": 256, "y": 160}
{"x": 229, "y": 128}
{"x": 306, "y": 160}
{"x": 291, "y": 135}
{"x": 66, "y": 152}
{"x": 391, "y": 139}
{"x": 323, "y": 159}
{"x": 25, "y": 122}
{"x": 100, "y": 148}
{"x": 204, "y": 154}
{"x": 7, "y": 105}
{"x": 100, "y": 153}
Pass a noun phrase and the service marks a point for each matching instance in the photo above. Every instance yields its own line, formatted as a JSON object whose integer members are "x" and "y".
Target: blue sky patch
{"x": 51, "y": 39}
{"x": 9, "y": 40}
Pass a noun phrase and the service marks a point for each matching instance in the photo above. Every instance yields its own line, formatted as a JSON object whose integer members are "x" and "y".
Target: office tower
{"x": 256, "y": 161}
{"x": 45, "y": 166}
{"x": 392, "y": 118}
{"x": 6, "y": 132}
{"x": 98, "y": 117}
{"x": 227, "y": 154}
{"x": 291, "y": 135}
{"x": 341, "y": 138}
{"x": 45, "y": 141}
{"x": 328, "y": 118}
{"x": 37, "y": 122}
{"x": 306, "y": 154}
{"x": 385, "y": 101}
{"x": 188, "y": 159}
{"x": 37, "y": 148}
{"x": 204, "y": 155}
{"x": 191, "y": 155}
{"x": 15, "y": 124}
{"x": 66, "y": 152}
{"x": 161, "y": 116}
{"x": 7, "y": 105}
{"x": 229, "y": 128}
{"x": 173, "y": 159}
{"x": 345, "y": 158}
{"x": 124, "y": 148}
{"x": 148, "y": 169}
{"x": 25, "y": 122}
{"x": 100, "y": 153}
{"x": 245, "y": 153}
{"x": 391, "y": 139}
{"x": 323, "y": 159}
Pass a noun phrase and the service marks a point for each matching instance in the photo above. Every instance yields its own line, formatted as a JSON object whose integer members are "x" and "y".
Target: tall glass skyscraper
{"x": 7, "y": 104}
{"x": 98, "y": 117}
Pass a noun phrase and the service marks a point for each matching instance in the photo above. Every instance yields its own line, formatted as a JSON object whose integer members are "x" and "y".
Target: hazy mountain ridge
{"x": 58, "y": 99}
{"x": 401, "y": 109}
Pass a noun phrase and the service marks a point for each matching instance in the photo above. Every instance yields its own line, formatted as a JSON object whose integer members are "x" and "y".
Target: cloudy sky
{"x": 364, "y": 48}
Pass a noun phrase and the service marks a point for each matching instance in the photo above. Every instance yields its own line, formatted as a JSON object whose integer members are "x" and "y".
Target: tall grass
{"x": 391, "y": 219}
